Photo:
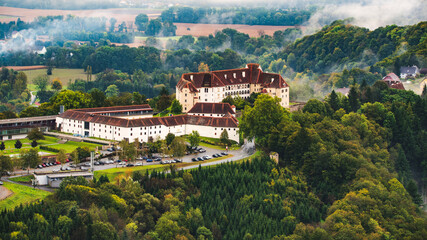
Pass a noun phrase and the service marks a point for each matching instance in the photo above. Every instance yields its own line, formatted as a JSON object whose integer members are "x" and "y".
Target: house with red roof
{"x": 214, "y": 86}
{"x": 393, "y": 81}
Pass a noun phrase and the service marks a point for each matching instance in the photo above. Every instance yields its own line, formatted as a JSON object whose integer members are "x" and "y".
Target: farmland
{"x": 128, "y": 16}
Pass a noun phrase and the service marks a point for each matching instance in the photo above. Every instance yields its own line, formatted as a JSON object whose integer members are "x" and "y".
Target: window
{"x": 234, "y": 75}
{"x": 206, "y": 90}
{"x": 185, "y": 94}
{"x": 243, "y": 74}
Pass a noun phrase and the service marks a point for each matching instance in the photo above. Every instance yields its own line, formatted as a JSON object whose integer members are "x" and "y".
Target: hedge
{"x": 51, "y": 149}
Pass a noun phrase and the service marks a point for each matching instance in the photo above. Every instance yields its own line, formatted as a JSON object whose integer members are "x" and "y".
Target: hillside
{"x": 340, "y": 45}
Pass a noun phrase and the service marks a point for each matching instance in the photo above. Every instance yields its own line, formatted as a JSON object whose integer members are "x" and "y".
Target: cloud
{"x": 373, "y": 13}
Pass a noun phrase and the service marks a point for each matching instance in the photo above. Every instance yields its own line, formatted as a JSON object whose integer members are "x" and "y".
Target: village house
{"x": 393, "y": 81}
{"x": 213, "y": 87}
{"x": 406, "y": 72}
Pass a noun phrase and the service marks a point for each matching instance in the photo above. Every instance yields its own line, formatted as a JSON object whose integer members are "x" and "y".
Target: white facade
{"x": 143, "y": 133}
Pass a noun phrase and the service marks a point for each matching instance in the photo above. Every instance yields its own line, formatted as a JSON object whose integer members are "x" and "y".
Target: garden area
{"x": 48, "y": 145}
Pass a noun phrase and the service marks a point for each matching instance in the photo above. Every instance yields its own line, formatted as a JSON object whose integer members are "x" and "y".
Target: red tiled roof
{"x": 391, "y": 77}
{"x": 227, "y": 121}
{"x": 212, "y": 108}
{"x": 397, "y": 86}
{"x": 252, "y": 74}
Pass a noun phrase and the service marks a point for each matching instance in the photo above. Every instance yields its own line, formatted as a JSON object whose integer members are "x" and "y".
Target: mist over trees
{"x": 62, "y": 4}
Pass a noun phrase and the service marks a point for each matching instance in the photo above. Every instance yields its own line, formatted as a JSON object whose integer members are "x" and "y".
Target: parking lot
{"x": 238, "y": 154}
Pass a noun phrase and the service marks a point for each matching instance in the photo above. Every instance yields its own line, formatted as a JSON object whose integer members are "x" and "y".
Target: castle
{"x": 214, "y": 86}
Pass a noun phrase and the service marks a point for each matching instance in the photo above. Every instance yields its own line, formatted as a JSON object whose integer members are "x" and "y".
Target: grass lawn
{"x": 112, "y": 173}
{"x": 208, "y": 142}
{"x": 21, "y": 195}
{"x": 64, "y": 74}
{"x": 50, "y": 141}
{"x": 22, "y": 179}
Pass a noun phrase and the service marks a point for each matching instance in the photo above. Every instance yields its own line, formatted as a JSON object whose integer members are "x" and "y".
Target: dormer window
{"x": 191, "y": 77}
{"x": 243, "y": 74}
{"x": 234, "y": 75}
{"x": 225, "y": 76}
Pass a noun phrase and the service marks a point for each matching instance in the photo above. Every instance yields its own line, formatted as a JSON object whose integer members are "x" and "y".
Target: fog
{"x": 372, "y": 14}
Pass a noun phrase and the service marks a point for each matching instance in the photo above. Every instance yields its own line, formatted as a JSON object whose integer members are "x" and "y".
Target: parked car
{"x": 138, "y": 164}
{"x": 110, "y": 149}
{"x": 1, "y": 183}
{"x": 96, "y": 163}
{"x": 224, "y": 153}
{"x": 158, "y": 159}
{"x": 39, "y": 166}
{"x": 194, "y": 159}
{"x": 122, "y": 163}
{"x": 201, "y": 150}
{"x": 149, "y": 160}
{"x": 130, "y": 165}
{"x": 177, "y": 160}
{"x": 87, "y": 164}
{"x": 200, "y": 159}
{"x": 44, "y": 165}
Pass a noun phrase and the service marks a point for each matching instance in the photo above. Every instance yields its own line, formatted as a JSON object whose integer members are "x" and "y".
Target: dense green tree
{"x": 6, "y": 164}
{"x": 2, "y": 146}
{"x": 34, "y": 143}
{"x": 194, "y": 139}
{"x": 258, "y": 122}
{"x": 224, "y": 139}
{"x": 35, "y": 134}
{"x": 178, "y": 147}
{"x": 176, "y": 107}
{"x": 141, "y": 21}
{"x": 30, "y": 158}
{"x": 169, "y": 138}
{"x": 41, "y": 82}
{"x": 153, "y": 28}
{"x": 112, "y": 91}
{"x": 18, "y": 144}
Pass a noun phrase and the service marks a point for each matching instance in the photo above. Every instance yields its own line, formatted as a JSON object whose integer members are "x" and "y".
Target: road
{"x": 241, "y": 153}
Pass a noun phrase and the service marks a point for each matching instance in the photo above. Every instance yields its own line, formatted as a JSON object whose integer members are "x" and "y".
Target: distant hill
{"x": 340, "y": 45}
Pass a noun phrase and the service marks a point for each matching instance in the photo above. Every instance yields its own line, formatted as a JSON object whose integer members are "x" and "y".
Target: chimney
{"x": 61, "y": 109}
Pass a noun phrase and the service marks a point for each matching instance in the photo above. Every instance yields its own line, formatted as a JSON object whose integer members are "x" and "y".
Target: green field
{"x": 48, "y": 141}
{"x": 64, "y": 74}
{"x": 22, "y": 179}
{"x": 21, "y": 195}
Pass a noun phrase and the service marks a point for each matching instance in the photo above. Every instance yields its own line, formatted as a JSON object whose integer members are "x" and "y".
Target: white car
{"x": 138, "y": 164}
{"x": 122, "y": 163}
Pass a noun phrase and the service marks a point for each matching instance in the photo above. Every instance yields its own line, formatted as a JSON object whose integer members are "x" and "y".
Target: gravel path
{"x": 4, "y": 193}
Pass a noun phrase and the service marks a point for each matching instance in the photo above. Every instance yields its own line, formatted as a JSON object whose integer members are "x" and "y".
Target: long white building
{"x": 137, "y": 122}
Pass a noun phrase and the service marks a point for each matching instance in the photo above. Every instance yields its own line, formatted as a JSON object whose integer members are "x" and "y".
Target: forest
{"x": 346, "y": 171}
{"x": 248, "y": 16}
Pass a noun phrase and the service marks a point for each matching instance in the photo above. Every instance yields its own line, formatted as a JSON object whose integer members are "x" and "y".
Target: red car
{"x": 57, "y": 162}
{"x": 68, "y": 160}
